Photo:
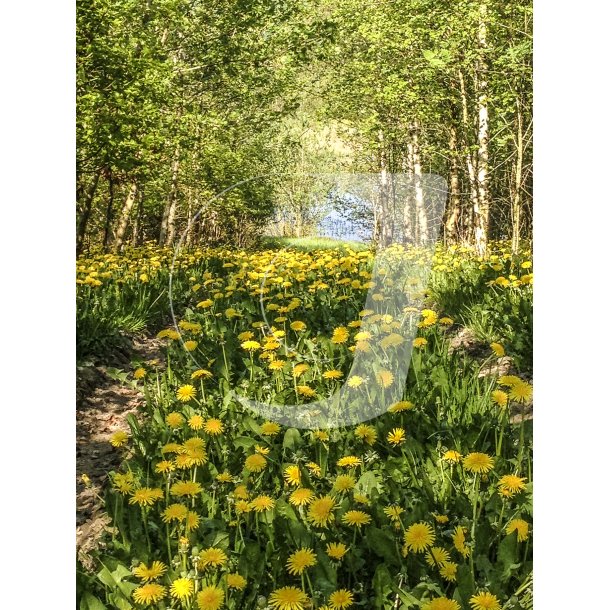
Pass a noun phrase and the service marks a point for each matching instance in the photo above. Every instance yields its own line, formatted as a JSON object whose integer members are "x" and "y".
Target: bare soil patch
{"x": 102, "y": 406}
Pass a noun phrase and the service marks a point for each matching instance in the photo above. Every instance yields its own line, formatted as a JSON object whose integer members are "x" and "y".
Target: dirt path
{"x": 464, "y": 339}
{"x": 102, "y": 405}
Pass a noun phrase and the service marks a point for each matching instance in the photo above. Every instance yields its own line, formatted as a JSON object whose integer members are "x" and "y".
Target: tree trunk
{"x": 189, "y": 226}
{"x": 481, "y": 210}
{"x": 421, "y": 216}
{"x": 453, "y": 211}
{"x": 86, "y": 212}
{"x": 137, "y": 223}
{"x": 385, "y": 236}
{"x": 168, "y": 224}
{"x": 109, "y": 210}
{"x": 516, "y": 201}
{"x": 470, "y": 164}
{"x": 125, "y": 214}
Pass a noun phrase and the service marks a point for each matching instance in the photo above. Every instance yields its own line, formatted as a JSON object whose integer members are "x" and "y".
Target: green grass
{"x": 307, "y": 244}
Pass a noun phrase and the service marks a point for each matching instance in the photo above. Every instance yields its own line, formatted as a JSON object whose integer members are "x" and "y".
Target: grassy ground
{"x": 427, "y": 501}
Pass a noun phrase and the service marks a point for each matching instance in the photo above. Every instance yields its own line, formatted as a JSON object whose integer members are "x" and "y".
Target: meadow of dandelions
{"x": 427, "y": 506}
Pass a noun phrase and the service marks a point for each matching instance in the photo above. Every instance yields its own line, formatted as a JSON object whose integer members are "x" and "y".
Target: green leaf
{"x": 292, "y": 439}
{"x": 90, "y": 602}
{"x": 382, "y": 544}
{"x": 245, "y": 442}
{"x": 367, "y": 483}
{"x": 382, "y": 585}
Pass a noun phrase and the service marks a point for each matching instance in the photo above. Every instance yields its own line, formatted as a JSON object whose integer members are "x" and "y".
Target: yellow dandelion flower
{"x": 391, "y": 340}
{"x": 478, "y": 463}
{"x": 186, "y": 393}
{"x": 446, "y": 321}
{"x": 349, "y": 461}
{"x": 451, "y": 456}
{"x": 277, "y": 365}
{"x": 355, "y": 381}
{"x": 145, "y": 496}
{"x": 499, "y": 397}
{"x": 320, "y": 510}
{"x": 292, "y": 475}
{"x": 139, "y": 373}
{"x": 508, "y": 380}
{"x": 459, "y": 541}
{"x": 340, "y": 335}
{"x": 419, "y": 537}
{"x": 448, "y": 571}
{"x": 344, "y": 482}
{"x": 437, "y": 556}
{"x": 321, "y": 435}
{"x": 288, "y": 598}
{"x": 270, "y": 428}
{"x": 394, "y": 512}
{"x": 224, "y": 477}
{"x": 196, "y": 422}
{"x": 521, "y": 392}
{"x": 171, "y": 448}
{"x": 332, "y": 374}
{"x": 341, "y": 599}
{"x": 299, "y": 369}
{"x": 305, "y": 390}
{"x": 396, "y": 436}
{"x": 119, "y": 438}
{"x": 251, "y": 346}
{"x": 261, "y": 450}
{"x": 210, "y": 598}
{"x": 211, "y": 557}
{"x": 485, "y": 601}
{"x": 241, "y": 492}
{"x": 123, "y": 483}
{"x": 148, "y": 594}
{"x": 235, "y": 581}
{"x": 164, "y": 467}
{"x": 356, "y": 518}
{"x": 314, "y": 469}
{"x": 298, "y": 326}
{"x": 262, "y": 503}
{"x": 242, "y": 506}
{"x": 213, "y": 427}
{"x": 300, "y": 560}
{"x": 403, "y": 405}
{"x": 440, "y": 518}
{"x": 336, "y": 550}
{"x": 385, "y": 378}
{"x": 520, "y": 526}
{"x": 497, "y": 349}
{"x": 192, "y": 521}
{"x": 199, "y": 373}
{"x": 255, "y": 462}
{"x": 190, "y": 346}
{"x": 146, "y": 574}
{"x": 174, "y": 512}
{"x": 181, "y": 588}
{"x": 301, "y": 497}
{"x": 511, "y": 484}
{"x": 174, "y": 419}
{"x": 419, "y": 342}
{"x": 185, "y": 488}
{"x": 367, "y": 433}
{"x": 442, "y": 603}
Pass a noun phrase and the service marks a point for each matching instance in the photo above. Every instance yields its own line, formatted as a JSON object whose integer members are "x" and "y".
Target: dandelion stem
{"x": 474, "y": 525}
